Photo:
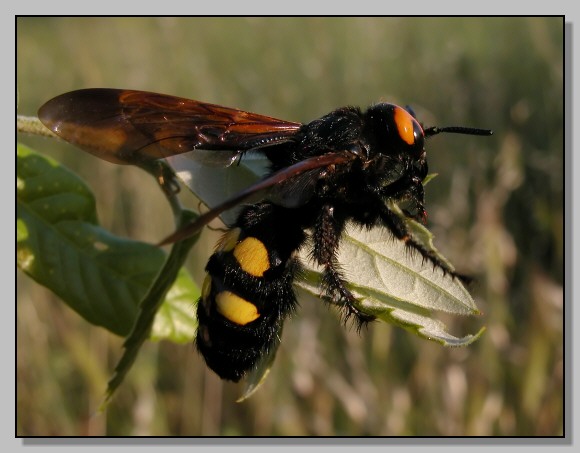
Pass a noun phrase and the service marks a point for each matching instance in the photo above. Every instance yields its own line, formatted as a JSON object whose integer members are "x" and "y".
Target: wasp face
{"x": 397, "y": 163}
{"x": 395, "y": 132}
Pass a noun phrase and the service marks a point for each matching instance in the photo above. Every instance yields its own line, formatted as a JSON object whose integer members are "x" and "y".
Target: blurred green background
{"x": 496, "y": 209}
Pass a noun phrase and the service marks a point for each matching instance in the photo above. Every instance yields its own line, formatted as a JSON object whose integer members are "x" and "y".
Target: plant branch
{"x": 32, "y": 125}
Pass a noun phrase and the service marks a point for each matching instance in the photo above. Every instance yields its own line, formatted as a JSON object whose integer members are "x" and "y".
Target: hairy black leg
{"x": 326, "y": 238}
{"x": 399, "y": 229}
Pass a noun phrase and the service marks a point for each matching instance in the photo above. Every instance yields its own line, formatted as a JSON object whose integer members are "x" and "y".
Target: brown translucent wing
{"x": 129, "y": 127}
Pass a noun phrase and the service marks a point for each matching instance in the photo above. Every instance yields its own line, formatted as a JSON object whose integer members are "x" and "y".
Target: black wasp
{"x": 345, "y": 166}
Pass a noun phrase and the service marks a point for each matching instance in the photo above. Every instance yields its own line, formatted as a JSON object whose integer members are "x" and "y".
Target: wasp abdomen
{"x": 247, "y": 292}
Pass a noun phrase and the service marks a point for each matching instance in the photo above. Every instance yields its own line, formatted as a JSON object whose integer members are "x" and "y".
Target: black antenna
{"x": 456, "y": 130}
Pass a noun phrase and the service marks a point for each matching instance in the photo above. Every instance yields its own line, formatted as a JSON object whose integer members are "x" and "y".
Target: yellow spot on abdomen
{"x": 404, "y": 122}
{"x": 252, "y": 256}
{"x": 236, "y": 309}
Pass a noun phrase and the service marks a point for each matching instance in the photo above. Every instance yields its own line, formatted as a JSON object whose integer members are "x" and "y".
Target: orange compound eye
{"x": 409, "y": 130}
{"x": 404, "y": 122}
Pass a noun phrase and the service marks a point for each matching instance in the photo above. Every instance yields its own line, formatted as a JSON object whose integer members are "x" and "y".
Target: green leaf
{"x": 395, "y": 285}
{"x": 150, "y": 306}
{"x": 60, "y": 245}
{"x": 429, "y": 178}
{"x": 176, "y": 319}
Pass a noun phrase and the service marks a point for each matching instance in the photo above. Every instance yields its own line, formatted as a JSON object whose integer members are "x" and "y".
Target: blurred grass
{"x": 496, "y": 210}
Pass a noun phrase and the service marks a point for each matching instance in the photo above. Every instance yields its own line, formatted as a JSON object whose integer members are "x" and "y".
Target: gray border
{"x": 568, "y": 237}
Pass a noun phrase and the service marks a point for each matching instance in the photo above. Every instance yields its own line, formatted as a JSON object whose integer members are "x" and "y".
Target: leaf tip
{"x": 252, "y": 387}
{"x": 466, "y": 340}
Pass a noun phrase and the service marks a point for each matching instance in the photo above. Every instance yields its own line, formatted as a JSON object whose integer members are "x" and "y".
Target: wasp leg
{"x": 397, "y": 226}
{"x": 326, "y": 238}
